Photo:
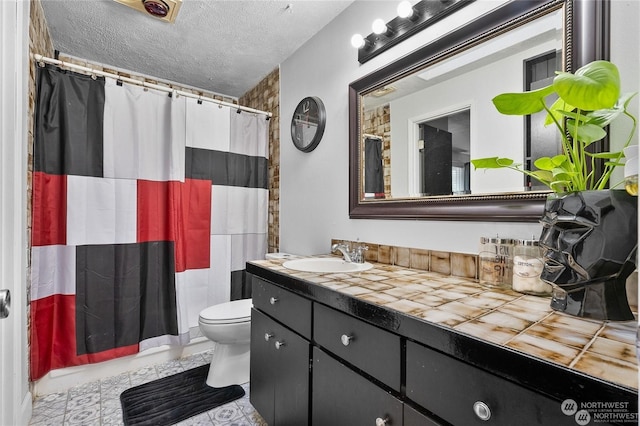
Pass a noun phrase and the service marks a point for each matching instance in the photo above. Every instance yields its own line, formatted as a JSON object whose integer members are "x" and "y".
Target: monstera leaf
{"x": 588, "y": 101}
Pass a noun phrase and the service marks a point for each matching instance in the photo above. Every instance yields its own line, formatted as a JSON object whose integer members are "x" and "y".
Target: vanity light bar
{"x": 424, "y": 13}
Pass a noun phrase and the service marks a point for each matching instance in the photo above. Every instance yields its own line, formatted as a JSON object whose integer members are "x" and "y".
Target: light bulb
{"x": 378, "y": 26}
{"x": 405, "y": 9}
{"x": 357, "y": 41}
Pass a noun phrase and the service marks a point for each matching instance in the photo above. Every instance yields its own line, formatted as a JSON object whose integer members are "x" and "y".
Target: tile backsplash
{"x": 463, "y": 265}
{"x": 446, "y": 263}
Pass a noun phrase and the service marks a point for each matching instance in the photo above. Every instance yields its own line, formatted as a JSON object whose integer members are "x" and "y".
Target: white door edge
{"x": 15, "y": 398}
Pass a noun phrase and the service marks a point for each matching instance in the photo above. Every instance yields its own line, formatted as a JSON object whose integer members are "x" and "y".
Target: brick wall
{"x": 265, "y": 96}
{"x": 377, "y": 121}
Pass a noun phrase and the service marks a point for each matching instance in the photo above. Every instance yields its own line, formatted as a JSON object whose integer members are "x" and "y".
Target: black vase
{"x": 590, "y": 239}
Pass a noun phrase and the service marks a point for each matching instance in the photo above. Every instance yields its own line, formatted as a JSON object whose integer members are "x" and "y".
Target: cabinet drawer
{"x": 342, "y": 397}
{"x": 369, "y": 348}
{"x": 290, "y": 309}
{"x": 449, "y": 388}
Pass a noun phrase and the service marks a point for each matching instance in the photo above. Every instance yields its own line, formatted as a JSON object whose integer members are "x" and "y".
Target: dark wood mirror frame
{"x": 587, "y": 39}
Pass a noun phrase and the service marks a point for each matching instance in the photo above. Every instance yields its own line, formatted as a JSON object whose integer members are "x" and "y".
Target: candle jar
{"x": 527, "y": 266}
{"x": 496, "y": 261}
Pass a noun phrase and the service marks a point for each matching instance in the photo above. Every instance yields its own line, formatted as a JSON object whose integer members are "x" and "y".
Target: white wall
{"x": 314, "y": 186}
{"x": 624, "y": 53}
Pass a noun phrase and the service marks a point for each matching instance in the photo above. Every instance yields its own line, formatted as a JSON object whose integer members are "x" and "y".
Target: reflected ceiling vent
{"x": 384, "y": 91}
{"x": 165, "y": 10}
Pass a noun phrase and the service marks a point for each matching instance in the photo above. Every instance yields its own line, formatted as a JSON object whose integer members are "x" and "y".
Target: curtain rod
{"x": 39, "y": 58}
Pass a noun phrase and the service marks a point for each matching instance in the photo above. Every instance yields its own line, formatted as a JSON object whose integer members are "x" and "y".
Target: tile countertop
{"x": 524, "y": 323}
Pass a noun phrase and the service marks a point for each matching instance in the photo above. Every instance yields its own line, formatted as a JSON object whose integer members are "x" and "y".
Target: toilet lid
{"x": 229, "y": 312}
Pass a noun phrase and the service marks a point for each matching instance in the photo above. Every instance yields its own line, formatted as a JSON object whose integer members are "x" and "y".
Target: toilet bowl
{"x": 228, "y": 325}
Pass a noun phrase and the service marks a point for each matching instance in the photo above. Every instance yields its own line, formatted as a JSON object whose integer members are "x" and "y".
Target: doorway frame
{"x": 413, "y": 123}
{"x": 15, "y": 397}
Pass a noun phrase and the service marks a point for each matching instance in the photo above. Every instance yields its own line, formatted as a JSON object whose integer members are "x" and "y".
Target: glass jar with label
{"x": 496, "y": 261}
{"x": 527, "y": 267}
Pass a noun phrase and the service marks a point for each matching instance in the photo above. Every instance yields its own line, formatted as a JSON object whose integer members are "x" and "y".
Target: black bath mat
{"x": 174, "y": 398}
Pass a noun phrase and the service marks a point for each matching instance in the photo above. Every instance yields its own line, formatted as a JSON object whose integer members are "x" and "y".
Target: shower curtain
{"x": 373, "y": 168}
{"x": 146, "y": 207}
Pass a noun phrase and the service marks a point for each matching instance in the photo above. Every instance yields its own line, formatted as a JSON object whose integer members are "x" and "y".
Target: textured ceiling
{"x": 225, "y": 47}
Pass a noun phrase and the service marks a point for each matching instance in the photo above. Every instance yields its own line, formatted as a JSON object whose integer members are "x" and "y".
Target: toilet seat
{"x": 227, "y": 313}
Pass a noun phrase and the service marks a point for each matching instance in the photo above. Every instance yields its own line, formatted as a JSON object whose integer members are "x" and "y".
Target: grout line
{"x": 521, "y": 332}
{"x": 587, "y": 346}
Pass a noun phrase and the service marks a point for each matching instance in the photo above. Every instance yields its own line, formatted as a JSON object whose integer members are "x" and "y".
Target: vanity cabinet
{"x": 464, "y": 395}
{"x": 323, "y": 358}
{"x": 340, "y": 396}
{"x": 369, "y": 348}
{"x": 279, "y": 363}
{"x": 414, "y": 418}
{"x": 283, "y": 305}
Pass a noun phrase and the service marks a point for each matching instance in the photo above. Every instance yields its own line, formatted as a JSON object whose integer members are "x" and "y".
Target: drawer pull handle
{"x": 280, "y": 343}
{"x": 273, "y": 300}
{"x": 267, "y": 336}
{"x": 482, "y": 410}
{"x": 346, "y": 339}
{"x": 382, "y": 422}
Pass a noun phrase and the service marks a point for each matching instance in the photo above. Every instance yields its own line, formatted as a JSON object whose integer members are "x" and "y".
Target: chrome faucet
{"x": 342, "y": 248}
{"x": 355, "y": 256}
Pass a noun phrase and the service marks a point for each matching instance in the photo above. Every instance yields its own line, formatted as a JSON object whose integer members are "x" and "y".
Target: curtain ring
{"x": 41, "y": 64}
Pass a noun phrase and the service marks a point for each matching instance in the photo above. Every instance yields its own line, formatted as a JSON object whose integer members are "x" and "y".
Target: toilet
{"x": 228, "y": 325}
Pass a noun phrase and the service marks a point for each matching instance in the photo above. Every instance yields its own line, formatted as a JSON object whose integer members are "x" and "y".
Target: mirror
{"x": 416, "y": 123}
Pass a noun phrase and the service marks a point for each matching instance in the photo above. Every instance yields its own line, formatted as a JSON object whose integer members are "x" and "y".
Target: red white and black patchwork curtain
{"x": 146, "y": 208}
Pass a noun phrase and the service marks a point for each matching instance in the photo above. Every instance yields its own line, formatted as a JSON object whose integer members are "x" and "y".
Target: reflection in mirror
{"x": 540, "y": 140}
{"x": 444, "y": 159}
{"x": 419, "y": 132}
{"x": 507, "y": 49}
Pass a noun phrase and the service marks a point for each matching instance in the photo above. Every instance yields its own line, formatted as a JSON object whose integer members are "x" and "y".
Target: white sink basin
{"x": 325, "y": 265}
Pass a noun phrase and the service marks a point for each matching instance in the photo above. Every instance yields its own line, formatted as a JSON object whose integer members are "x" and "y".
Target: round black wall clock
{"x": 307, "y": 123}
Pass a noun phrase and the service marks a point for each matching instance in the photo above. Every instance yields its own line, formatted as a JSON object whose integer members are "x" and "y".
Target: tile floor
{"x": 98, "y": 403}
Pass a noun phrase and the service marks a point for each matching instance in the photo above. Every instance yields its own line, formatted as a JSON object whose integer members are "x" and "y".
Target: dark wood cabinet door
{"x": 342, "y": 397}
{"x": 262, "y": 365}
{"x": 415, "y": 418}
{"x": 291, "y": 394}
{"x": 279, "y": 372}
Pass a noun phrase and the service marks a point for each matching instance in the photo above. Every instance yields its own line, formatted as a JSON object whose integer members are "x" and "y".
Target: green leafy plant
{"x": 588, "y": 101}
